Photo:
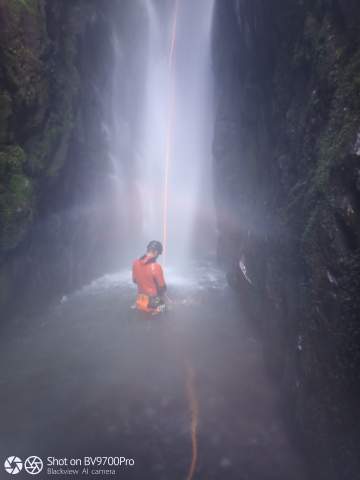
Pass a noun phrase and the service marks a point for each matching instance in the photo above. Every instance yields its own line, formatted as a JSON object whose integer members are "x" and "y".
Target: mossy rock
{"x": 338, "y": 140}
{"x": 29, "y": 5}
{"x": 20, "y": 7}
{"x": 12, "y": 159}
{"x": 16, "y": 198}
{"x": 47, "y": 153}
{"x": 4, "y": 287}
{"x": 5, "y": 113}
{"x": 23, "y": 42}
{"x": 16, "y": 211}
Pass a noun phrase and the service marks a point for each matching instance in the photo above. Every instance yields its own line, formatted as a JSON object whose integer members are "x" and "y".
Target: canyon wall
{"x": 287, "y": 177}
{"x": 57, "y": 185}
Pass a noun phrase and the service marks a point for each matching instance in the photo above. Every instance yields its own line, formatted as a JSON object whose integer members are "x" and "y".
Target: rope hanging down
{"x": 169, "y": 130}
{"x": 190, "y": 374}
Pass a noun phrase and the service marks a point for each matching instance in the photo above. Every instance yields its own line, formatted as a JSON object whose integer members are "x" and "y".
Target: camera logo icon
{"x": 13, "y": 465}
{"x": 33, "y": 465}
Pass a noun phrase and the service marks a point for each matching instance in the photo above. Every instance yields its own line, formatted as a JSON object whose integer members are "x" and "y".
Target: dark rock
{"x": 287, "y": 188}
{"x": 56, "y": 193}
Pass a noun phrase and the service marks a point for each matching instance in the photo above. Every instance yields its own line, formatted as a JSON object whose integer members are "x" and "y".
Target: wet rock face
{"x": 56, "y": 61}
{"x": 286, "y": 150}
{"x": 39, "y": 91}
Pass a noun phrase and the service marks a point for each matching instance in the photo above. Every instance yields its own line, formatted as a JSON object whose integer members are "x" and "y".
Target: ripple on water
{"x": 194, "y": 277}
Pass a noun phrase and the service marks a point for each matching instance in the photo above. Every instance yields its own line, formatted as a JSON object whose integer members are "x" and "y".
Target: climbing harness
{"x": 148, "y": 304}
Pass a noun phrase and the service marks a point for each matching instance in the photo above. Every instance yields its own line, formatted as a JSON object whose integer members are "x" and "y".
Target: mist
{"x": 226, "y": 134}
{"x": 170, "y": 178}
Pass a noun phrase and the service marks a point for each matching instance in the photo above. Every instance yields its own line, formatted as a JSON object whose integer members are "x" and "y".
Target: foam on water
{"x": 191, "y": 277}
{"x": 109, "y": 281}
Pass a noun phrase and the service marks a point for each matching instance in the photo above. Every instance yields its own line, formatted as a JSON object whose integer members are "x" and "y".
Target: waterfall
{"x": 123, "y": 118}
{"x": 145, "y": 94}
{"x": 187, "y": 89}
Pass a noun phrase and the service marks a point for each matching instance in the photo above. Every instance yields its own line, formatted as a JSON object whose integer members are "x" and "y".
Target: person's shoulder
{"x": 157, "y": 267}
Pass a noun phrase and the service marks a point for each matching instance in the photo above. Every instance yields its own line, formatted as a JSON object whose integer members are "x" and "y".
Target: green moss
{"x": 338, "y": 139}
{"x": 16, "y": 198}
{"x": 5, "y": 113}
{"x": 340, "y": 51}
{"x": 20, "y": 187}
{"x": 4, "y": 287}
{"x": 12, "y": 159}
{"x": 29, "y": 6}
{"x": 16, "y": 209}
{"x": 24, "y": 69}
{"x": 23, "y": 44}
{"x": 43, "y": 158}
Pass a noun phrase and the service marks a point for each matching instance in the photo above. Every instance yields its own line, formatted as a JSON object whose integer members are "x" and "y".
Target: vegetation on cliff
{"x": 39, "y": 92}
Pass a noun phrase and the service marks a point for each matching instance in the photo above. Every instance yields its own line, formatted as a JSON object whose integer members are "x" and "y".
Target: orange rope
{"x": 190, "y": 375}
{"x": 170, "y": 129}
{"x": 194, "y": 411}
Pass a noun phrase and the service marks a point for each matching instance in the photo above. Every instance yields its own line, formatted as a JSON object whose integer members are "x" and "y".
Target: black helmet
{"x": 155, "y": 245}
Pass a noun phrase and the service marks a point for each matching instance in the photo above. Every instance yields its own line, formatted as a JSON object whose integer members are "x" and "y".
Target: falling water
{"x": 124, "y": 113}
{"x": 180, "y": 94}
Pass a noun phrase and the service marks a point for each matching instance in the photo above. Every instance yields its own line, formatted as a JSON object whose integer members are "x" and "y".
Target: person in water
{"x": 149, "y": 278}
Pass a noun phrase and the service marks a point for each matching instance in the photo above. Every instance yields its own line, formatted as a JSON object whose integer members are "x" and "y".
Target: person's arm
{"x": 133, "y": 273}
{"x": 159, "y": 279}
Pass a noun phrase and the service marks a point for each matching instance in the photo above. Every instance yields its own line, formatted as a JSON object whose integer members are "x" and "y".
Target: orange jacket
{"x": 148, "y": 275}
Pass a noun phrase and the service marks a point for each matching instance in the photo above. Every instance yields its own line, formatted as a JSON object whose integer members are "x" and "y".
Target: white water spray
{"x": 189, "y": 210}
